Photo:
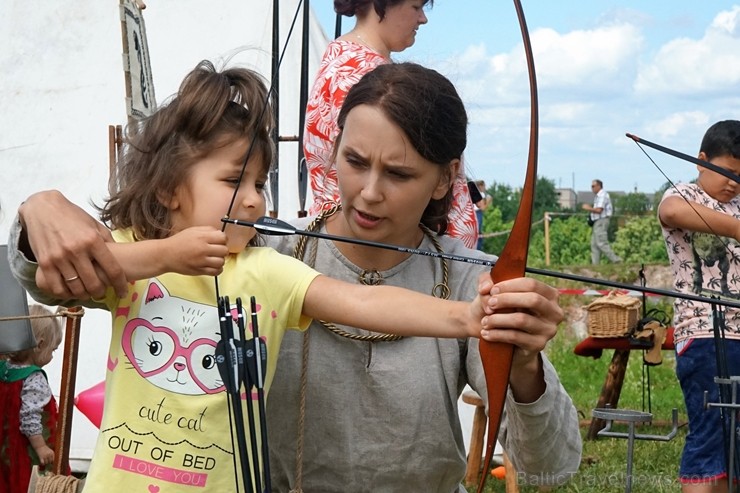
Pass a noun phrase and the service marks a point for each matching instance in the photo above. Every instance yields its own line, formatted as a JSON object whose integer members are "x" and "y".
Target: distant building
{"x": 570, "y": 199}
{"x": 567, "y": 198}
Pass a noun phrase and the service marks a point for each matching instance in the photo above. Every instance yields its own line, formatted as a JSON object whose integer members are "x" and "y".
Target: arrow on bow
{"x": 496, "y": 356}
{"x": 276, "y": 227}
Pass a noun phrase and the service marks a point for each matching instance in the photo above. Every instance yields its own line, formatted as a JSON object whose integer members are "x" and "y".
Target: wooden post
{"x": 611, "y": 389}
{"x": 477, "y": 437}
{"x": 115, "y": 150}
{"x": 67, "y": 392}
{"x": 547, "y": 239}
{"x": 512, "y": 485}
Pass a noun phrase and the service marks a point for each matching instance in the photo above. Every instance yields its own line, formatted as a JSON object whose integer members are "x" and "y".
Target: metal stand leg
{"x": 631, "y": 417}
{"x": 630, "y": 449}
{"x": 732, "y": 407}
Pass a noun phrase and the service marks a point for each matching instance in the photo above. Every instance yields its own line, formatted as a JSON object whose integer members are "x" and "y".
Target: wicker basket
{"x": 613, "y": 315}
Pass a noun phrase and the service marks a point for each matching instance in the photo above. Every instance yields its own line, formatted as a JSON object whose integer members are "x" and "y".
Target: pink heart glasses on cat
{"x": 153, "y": 350}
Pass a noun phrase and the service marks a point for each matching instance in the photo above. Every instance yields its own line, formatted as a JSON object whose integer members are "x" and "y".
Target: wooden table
{"x": 612, "y": 388}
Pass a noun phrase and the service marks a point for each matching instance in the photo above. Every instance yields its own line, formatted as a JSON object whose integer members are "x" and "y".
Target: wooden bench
{"x": 477, "y": 440}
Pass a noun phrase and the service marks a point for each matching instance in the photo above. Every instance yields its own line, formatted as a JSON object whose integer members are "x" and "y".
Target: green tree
{"x": 505, "y": 199}
{"x": 633, "y": 204}
{"x": 570, "y": 242}
{"x": 505, "y": 204}
{"x": 545, "y": 198}
{"x": 493, "y": 223}
{"x": 640, "y": 241}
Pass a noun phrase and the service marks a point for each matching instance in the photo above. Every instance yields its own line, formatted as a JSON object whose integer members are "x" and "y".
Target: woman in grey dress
{"x": 351, "y": 410}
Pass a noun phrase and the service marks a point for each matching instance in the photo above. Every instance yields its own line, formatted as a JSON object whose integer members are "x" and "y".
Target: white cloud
{"x": 501, "y": 116}
{"x": 589, "y": 97}
{"x": 676, "y": 123}
{"x": 728, "y": 21}
{"x": 566, "y": 112}
{"x": 600, "y": 57}
{"x": 596, "y": 61}
{"x": 691, "y": 66}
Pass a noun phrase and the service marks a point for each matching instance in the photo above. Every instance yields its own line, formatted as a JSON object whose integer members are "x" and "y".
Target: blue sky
{"x": 663, "y": 70}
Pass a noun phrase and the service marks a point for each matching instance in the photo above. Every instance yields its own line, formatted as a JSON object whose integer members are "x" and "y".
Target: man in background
{"x": 481, "y": 200}
{"x": 599, "y": 216}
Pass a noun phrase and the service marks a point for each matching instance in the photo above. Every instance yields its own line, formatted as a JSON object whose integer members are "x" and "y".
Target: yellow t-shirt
{"x": 165, "y": 426}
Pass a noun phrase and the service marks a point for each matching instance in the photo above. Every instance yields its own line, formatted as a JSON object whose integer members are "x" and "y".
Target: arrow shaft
{"x": 287, "y": 229}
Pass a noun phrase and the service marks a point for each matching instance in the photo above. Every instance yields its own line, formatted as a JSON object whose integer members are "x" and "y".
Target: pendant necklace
{"x": 368, "y": 45}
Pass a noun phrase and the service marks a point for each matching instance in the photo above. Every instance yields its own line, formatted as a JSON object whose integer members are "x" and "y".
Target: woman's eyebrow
{"x": 396, "y": 162}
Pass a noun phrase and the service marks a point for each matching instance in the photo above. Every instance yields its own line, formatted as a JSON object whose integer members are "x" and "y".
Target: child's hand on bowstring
{"x": 197, "y": 251}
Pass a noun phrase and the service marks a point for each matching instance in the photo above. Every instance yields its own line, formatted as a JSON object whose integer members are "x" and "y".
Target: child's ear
{"x": 40, "y": 344}
{"x": 171, "y": 202}
{"x": 703, "y": 156}
{"x": 447, "y": 177}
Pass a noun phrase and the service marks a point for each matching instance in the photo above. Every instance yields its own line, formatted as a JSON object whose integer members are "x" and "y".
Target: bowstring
{"x": 719, "y": 237}
{"x": 718, "y": 325}
{"x": 260, "y": 119}
{"x": 265, "y": 105}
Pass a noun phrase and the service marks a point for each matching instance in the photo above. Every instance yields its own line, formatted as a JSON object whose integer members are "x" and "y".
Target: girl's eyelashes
{"x": 261, "y": 182}
{"x": 236, "y": 181}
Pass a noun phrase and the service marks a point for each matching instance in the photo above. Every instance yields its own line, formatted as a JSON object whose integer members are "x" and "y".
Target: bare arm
{"x": 194, "y": 251}
{"x": 523, "y": 312}
{"x": 675, "y": 212}
{"x": 67, "y": 242}
{"x": 391, "y": 310}
{"x": 483, "y": 203}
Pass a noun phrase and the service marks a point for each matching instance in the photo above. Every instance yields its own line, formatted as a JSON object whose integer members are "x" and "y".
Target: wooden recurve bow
{"x": 495, "y": 356}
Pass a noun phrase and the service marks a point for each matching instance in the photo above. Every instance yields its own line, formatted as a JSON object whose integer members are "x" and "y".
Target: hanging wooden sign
{"x": 140, "y": 100}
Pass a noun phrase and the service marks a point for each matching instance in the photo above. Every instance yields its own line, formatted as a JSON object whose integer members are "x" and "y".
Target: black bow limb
{"x": 680, "y": 155}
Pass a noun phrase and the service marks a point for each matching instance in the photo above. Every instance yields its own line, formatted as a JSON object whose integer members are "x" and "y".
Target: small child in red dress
{"x": 29, "y": 410}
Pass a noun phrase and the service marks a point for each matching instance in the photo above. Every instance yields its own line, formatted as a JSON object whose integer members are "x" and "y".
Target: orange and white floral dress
{"x": 342, "y": 66}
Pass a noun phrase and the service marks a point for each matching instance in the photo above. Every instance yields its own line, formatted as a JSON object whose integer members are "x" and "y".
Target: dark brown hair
{"x": 211, "y": 109}
{"x": 351, "y": 8}
{"x": 722, "y": 139}
{"x": 427, "y": 107}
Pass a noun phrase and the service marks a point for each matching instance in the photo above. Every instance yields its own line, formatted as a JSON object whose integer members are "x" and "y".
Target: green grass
{"x": 604, "y": 464}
